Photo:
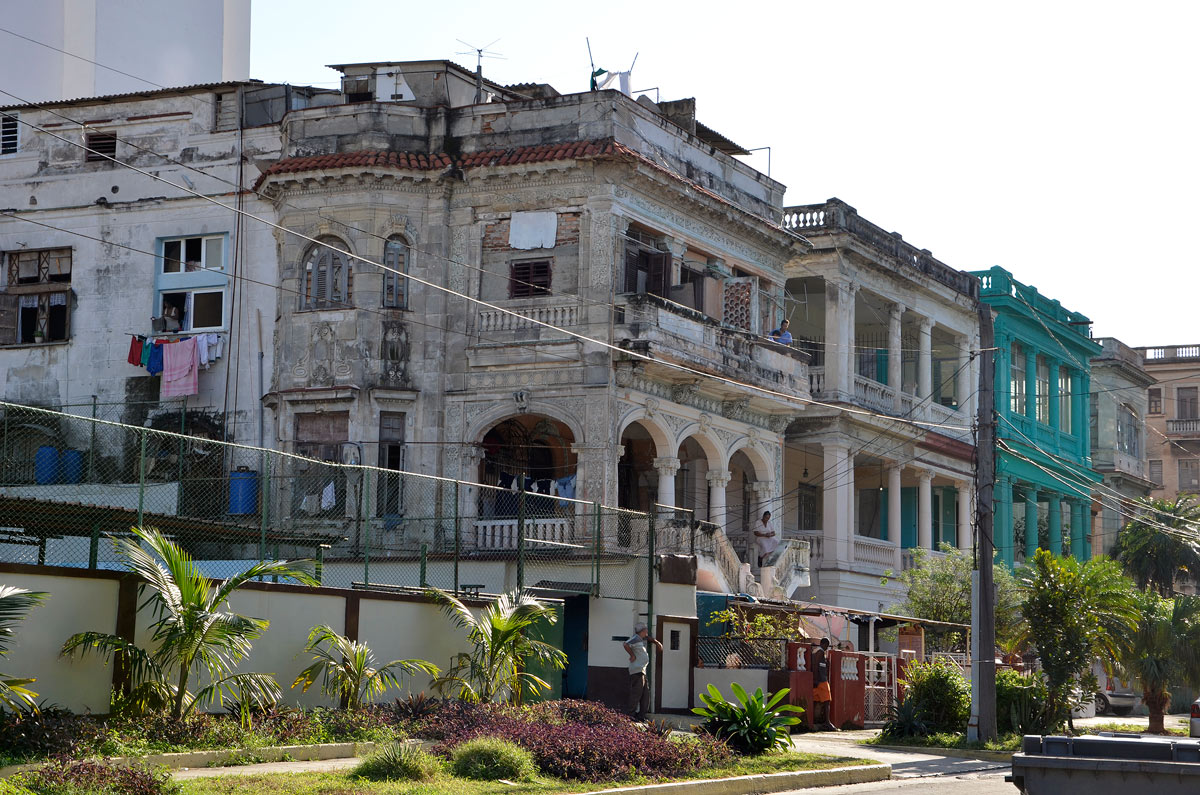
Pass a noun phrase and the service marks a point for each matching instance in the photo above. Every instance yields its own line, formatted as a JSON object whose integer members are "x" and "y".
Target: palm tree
{"x": 1075, "y": 612}
{"x": 1164, "y": 650}
{"x": 1161, "y": 543}
{"x": 15, "y": 604}
{"x": 495, "y": 668}
{"x": 347, "y": 669}
{"x": 194, "y": 633}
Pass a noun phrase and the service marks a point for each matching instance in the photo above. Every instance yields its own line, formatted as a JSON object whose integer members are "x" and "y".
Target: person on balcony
{"x": 764, "y": 538}
{"x": 781, "y": 334}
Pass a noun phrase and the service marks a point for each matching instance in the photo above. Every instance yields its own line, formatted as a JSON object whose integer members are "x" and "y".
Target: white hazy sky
{"x": 1057, "y": 139}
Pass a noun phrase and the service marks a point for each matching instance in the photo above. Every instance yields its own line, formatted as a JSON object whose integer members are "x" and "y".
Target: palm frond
{"x": 140, "y": 664}
{"x": 15, "y": 696}
{"x": 15, "y": 604}
{"x": 248, "y": 688}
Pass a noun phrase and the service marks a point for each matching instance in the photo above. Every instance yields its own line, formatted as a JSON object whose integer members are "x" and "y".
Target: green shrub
{"x": 491, "y": 759}
{"x": 13, "y": 787}
{"x": 940, "y": 695}
{"x": 399, "y": 762}
{"x": 904, "y": 720}
{"x": 90, "y": 777}
{"x": 754, "y": 726}
{"x": 1021, "y": 704}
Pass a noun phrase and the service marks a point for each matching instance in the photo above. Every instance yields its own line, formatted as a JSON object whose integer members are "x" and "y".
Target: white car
{"x": 1194, "y": 723}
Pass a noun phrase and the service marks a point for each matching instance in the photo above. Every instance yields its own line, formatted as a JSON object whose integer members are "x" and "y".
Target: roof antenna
{"x": 480, "y": 54}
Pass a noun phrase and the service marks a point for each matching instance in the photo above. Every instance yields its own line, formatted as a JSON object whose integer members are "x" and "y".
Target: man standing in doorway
{"x": 821, "y": 694}
{"x": 639, "y": 658}
{"x": 764, "y": 538}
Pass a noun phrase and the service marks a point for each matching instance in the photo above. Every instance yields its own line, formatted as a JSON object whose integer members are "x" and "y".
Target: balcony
{"x": 675, "y": 334}
{"x": 1165, "y": 354}
{"x": 1184, "y": 428}
{"x": 875, "y": 396}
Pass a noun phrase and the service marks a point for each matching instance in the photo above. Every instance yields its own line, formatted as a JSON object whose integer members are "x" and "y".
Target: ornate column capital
{"x": 719, "y": 477}
{"x": 761, "y": 488}
{"x": 667, "y": 465}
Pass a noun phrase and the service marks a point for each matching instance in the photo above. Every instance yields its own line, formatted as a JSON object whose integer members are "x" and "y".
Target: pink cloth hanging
{"x": 181, "y": 363}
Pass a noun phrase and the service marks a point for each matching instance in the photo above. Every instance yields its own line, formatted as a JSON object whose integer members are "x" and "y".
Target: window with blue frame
{"x": 190, "y": 284}
{"x": 1016, "y": 380}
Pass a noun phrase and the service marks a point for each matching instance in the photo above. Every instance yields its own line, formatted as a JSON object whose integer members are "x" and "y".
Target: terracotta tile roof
{"x": 571, "y": 150}
{"x": 370, "y": 159}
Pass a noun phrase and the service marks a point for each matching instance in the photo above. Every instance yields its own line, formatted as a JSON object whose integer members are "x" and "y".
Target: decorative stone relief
{"x": 522, "y": 399}
{"x": 652, "y": 405}
{"x": 683, "y": 393}
{"x": 394, "y": 353}
{"x": 323, "y": 361}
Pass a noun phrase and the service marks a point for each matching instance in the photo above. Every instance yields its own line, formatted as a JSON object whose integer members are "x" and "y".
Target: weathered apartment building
{"x": 593, "y": 279}
{"x": 1172, "y": 451}
{"x": 1120, "y": 437}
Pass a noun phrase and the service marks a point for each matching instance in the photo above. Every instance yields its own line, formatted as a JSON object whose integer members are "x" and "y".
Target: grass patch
{"x": 1136, "y": 728}
{"x": 346, "y": 783}
{"x": 1006, "y": 742}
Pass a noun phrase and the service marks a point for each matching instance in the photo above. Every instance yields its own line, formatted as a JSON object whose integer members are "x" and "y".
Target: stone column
{"x": 895, "y": 525}
{"x": 1055, "y": 517}
{"x": 1031, "y": 523}
{"x": 1052, "y": 365}
{"x": 1083, "y": 419}
{"x": 962, "y": 382}
{"x": 925, "y": 509}
{"x": 839, "y": 338}
{"x": 966, "y": 514}
{"x": 972, "y": 399}
{"x": 1031, "y": 383}
{"x": 1003, "y": 530}
{"x": 895, "y": 371}
{"x": 667, "y": 467}
{"x": 925, "y": 359}
{"x": 1080, "y": 518}
{"x": 837, "y": 531}
{"x": 593, "y": 475}
{"x": 718, "y": 479}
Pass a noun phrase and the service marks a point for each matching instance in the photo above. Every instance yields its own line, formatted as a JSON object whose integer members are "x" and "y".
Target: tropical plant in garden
{"x": 939, "y": 589}
{"x": 495, "y": 668}
{"x": 1075, "y": 612}
{"x": 348, "y": 671}
{"x": 1161, "y": 544}
{"x": 754, "y": 724}
{"x": 15, "y": 604}
{"x": 1164, "y": 650}
{"x": 194, "y": 633}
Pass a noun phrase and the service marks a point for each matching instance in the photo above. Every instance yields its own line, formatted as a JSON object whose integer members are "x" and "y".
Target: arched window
{"x": 395, "y": 286}
{"x": 327, "y": 276}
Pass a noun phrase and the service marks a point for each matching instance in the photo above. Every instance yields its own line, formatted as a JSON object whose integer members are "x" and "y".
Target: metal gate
{"x": 880, "y": 688}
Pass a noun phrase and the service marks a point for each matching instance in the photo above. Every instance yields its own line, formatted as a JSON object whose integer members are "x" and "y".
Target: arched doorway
{"x": 637, "y": 480}
{"x": 531, "y": 453}
{"x": 742, "y": 507}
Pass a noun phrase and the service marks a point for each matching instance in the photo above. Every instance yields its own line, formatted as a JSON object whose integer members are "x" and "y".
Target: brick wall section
{"x": 495, "y": 234}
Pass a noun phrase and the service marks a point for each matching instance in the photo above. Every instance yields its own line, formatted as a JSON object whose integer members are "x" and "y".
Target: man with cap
{"x": 639, "y": 658}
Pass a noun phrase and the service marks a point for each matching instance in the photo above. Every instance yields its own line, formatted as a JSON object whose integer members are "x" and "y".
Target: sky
{"x": 1056, "y": 139}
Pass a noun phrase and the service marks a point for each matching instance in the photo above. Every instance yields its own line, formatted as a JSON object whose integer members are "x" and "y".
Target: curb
{"x": 763, "y": 782}
{"x": 959, "y": 753}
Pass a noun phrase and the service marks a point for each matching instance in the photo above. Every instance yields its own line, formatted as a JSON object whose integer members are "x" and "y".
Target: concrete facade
{"x": 1119, "y": 437}
{"x": 1173, "y": 420}
{"x": 1043, "y": 406}
{"x": 893, "y": 332}
{"x": 167, "y": 42}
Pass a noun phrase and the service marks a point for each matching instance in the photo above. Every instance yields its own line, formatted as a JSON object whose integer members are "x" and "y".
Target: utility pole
{"x": 982, "y": 725}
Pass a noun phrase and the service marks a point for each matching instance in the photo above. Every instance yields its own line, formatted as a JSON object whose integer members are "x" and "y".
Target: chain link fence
{"x": 71, "y": 481}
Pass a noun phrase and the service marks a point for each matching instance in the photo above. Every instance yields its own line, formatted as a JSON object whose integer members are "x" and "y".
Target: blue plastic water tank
{"x": 45, "y": 465}
{"x": 243, "y": 491}
{"x": 72, "y": 466}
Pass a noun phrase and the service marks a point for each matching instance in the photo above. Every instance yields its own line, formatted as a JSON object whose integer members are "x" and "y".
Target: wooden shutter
{"x": 659, "y": 281}
{"x": 10, "y": 317}
{"x": 632, "y": 260}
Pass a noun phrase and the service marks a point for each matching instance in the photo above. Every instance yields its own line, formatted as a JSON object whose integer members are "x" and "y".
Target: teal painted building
{"x": 1044, "y": 476}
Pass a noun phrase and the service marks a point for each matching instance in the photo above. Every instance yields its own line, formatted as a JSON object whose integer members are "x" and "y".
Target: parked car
{"x": 1116, "y": 697}
{"x": 1194, "y": 723}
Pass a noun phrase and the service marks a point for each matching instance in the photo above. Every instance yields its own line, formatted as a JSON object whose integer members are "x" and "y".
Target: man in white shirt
{"x": 639, "y": 658}
{"x": 764, "y": 538}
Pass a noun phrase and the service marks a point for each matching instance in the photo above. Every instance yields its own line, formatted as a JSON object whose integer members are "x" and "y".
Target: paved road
{"x": 914, "y": 772}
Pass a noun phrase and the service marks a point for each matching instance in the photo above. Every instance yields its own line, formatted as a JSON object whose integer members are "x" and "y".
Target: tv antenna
{"x": 480, "y": 53}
